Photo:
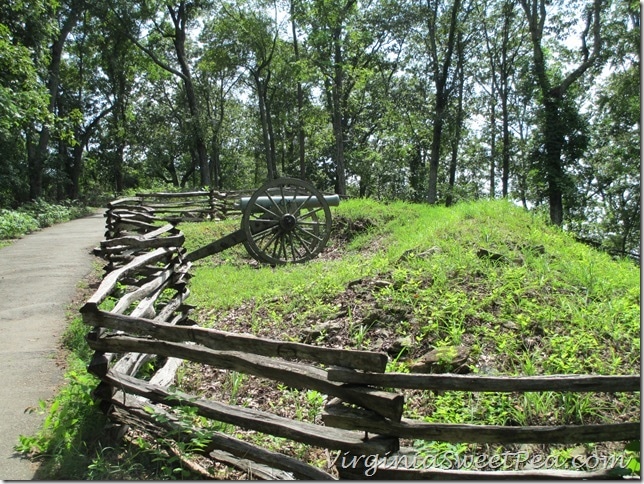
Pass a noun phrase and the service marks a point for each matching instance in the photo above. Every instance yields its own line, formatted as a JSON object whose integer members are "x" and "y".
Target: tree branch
{"x": 594, "y": 17}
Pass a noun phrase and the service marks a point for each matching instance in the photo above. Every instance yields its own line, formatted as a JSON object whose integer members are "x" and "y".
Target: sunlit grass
{"x": 521, "y": 295}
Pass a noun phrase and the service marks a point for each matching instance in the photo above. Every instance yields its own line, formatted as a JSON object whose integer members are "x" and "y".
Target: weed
{"x": 359, "y": 335}
{"x": 70, "y": 425}
{"x": 16, "y": 224}
{"x": 235, "y": 381}
{"x": 315, "y": 402}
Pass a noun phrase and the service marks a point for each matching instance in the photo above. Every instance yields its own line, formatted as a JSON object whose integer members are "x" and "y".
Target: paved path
{"x": 39, "y": 276}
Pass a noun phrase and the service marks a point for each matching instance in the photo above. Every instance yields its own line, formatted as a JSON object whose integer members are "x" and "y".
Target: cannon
{"x": 286, "y": 220}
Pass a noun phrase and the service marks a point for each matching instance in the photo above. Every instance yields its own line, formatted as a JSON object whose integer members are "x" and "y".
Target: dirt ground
{"x": 39, "y": 275}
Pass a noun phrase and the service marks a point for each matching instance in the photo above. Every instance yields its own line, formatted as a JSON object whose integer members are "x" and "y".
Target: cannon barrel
{"x": 302, "y": 201}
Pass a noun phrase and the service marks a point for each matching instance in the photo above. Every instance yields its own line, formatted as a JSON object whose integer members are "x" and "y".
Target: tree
{"x": 25, "y": 32}
{"x": 218, "y": 73}
{"x": 504, "y": 52}
{"x": 257, "y": 33}
{"x": 553, "y": 89}
{"x": 164, "y": 22}
{"x": 439, "y": 31}
{"x": 38, "y": 136}
{"x": 608, "y": 209}
{"x": 300, "y": 96}
{"x": 120, "y": 62}
{"x": 457, "y": 122}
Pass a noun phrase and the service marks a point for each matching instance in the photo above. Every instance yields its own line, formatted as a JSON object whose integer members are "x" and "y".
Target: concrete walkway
{"x": 39, "y": 276}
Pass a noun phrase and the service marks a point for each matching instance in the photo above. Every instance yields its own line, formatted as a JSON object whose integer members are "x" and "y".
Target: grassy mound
{"x": 482, "y": 287}
{"x": 524, "y": 297}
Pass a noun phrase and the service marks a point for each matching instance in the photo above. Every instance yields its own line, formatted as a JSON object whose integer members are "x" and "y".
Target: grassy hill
{"x": 523, "y": 296}
{"x": 479, "y": 288}
{"x": 482, "y": 287}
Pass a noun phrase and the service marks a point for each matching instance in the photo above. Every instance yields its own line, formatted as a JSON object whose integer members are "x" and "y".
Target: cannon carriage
{"x": 286, "y": 220}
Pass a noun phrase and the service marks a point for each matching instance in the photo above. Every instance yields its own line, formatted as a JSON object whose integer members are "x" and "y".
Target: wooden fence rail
{"x": 139, "y": 312}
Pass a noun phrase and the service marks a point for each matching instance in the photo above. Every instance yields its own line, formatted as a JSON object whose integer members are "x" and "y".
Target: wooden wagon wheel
{"x": 286, "y": 220}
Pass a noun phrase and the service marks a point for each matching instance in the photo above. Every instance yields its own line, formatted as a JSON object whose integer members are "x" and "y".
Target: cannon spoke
{"x": 259, "y": 233}
{"x": 310, "y": 213}
{"x": 279, "y": 248}
{"x": 283, "y": 246}
{"x": 272, "y": 214}
{"x": 295, "y": 254}
{"x": 275, "y": 204}
{"x": 304, "y": 244}
{"x": 304, "y": 202}
{"x": 261, "y": 238}
{"x": 310, "y": 234}
{"x": 272, "y": 241}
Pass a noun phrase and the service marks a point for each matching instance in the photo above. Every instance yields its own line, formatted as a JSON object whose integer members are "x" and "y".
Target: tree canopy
{"x": 431, "y": 101}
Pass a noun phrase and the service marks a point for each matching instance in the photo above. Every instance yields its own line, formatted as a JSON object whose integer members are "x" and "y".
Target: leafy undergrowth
{"x": 488, "y": 284}
{"x": 36, "y": 215}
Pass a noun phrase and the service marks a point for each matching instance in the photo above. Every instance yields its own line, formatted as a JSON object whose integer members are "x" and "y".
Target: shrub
{"x": 45, "y": 213}
{"x": 15, "y": 224}
{"x": 37, "y": 214}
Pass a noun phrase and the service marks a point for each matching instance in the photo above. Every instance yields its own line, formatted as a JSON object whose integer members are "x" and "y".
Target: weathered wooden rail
{"x": 141, "y": 212}
{"x": 139, "y": 313}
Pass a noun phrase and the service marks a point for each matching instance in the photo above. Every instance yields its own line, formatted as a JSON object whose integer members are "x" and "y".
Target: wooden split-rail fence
{"x": 139, "y": 312}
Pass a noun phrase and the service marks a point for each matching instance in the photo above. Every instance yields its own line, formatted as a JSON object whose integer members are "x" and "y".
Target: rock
{"x": 510, "y": 325}
{"x": 391, "y": 317}
{"x": 401, "y": 344}
{"x": 493, "y": 256}
{"x": 445, "y": 359}
{"x": 322, "y": 330}
{"x": 381, "y": 284}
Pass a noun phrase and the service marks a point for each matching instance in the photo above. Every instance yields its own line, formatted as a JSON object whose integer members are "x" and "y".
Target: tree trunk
{"x": 434, "y": 160}
{"x": 271, "y": 134}
{"x": 554, "y": 140}
{"x": 119, "y": 176}
{"x": 300, "y": 101}
{"x": 416, "y": 171}
{"x": 505, "y": 173}
{"x": 456, "y": 136}
{"x": 493, "y": 141}
{"x": 37, "y": 153}
{"x": 179, "y": 17}
{"x": 266, "y": 131}
{"x": 506, "y": 71}
{"x": 338, "y": 131}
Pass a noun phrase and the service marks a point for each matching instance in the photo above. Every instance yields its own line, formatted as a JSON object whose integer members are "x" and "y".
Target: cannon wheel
{"x": 286, "y": 220}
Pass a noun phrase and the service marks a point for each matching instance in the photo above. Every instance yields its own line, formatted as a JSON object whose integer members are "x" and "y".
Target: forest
{"x": 432, "y": 101}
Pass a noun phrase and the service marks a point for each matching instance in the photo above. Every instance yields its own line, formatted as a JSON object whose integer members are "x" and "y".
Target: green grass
{"x": 522, "y": 296}
{"x": 582, "y": 303}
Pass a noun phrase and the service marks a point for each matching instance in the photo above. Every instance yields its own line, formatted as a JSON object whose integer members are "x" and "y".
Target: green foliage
{"x": 36, "y": 215}
{"x": 48, "y": 214}
{"x": 634, "y": 463}
{"x": 22, "y": 98}
{"x": 69, "y": 429}
{"x": 15, "y": 224}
